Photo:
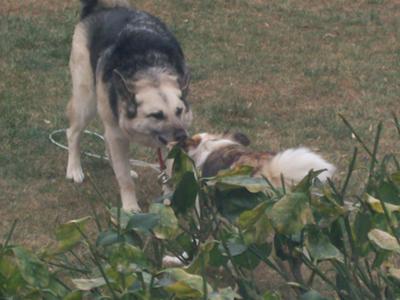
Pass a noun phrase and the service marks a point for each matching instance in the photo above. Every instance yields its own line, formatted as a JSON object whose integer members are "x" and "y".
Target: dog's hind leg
{"x": 82, "y": 106}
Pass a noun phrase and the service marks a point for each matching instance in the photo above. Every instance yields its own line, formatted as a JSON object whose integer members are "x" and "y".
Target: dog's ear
{"x": 241, "y": 138}
{"x": 124, "y": 94}
{"x": 191, "y": 143}
{"x": 184, "y": 82}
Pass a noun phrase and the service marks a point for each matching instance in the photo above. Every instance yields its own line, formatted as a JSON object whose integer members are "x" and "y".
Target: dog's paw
{"x": 131, "y": 207}
{"x": 169, "y": 261}
{"x": 76, "y": 174}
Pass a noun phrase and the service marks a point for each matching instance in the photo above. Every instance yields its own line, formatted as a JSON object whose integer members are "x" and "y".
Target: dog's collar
{"x": 161, "y": 160}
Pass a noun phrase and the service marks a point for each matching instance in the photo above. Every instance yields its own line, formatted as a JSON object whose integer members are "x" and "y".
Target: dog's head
{"x": 152, "y": 106}
{"x": 201, "y": 145}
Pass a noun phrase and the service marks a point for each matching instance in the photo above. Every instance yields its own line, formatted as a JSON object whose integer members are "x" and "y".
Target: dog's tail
{"x": 90, "y": 6}
{"x": 295, "y": 164}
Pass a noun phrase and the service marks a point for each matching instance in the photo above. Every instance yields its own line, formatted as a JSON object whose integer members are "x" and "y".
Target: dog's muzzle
{"x": 180, "y": 135}
{"x": 177, "y": 136}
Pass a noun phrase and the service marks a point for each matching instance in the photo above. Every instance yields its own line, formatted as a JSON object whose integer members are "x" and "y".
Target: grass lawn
{"x": 280, "y": 71}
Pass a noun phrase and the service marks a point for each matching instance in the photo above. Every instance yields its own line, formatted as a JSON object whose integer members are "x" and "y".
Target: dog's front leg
{"x": 118, "y": 147}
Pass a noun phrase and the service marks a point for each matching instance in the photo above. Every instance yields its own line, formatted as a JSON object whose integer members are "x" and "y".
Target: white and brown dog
{"x": 127, "y": 66}
{"x": 212, "y": 153}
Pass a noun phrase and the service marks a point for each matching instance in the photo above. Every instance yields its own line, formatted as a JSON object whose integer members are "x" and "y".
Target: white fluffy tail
{"x": 295, "y": 164}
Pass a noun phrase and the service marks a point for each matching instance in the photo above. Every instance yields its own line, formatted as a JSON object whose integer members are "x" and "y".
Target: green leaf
{"x": 252, "y": 184}
{"x": 202, "y": 258}
{"x": 143, "y": 221}
{"x": 108, "y": 238}
{"x": 361, "y": 226}
{"x": 242, "y": 255}
{"x": 312, "y": 295}
{"x": 389, "y": 193}
{"x": 217, "y": 255}
{"x": 384, "y": 240}
{"x": 183, "y": 284}
{"x": 231, "y": 203}
{"x": 185, "y": 194}
{"x": 74, "y": 295}
{"x": 291, "y": 213}
{"x": 124, "y": 216}
{"x": 305, "y": 184}
{"x": 68, "y": 235}
{"x": 271, "y": 296}
{"x": 32, "y": 269}
{"x": 326, "y": 209}
{"x": 123, "y": 255}
{"x": 250, "y": 217}
{"x": 10, "y": 276}
{"x": 320, "y": 247}
{"x": 89, "y": 284}
{"x": 396, "y": 178}
{"x": 248, "y": 259}
{"x": 235, "y": 247}
{"x": 182, "y": 164}
{"x": 168, "y": 223}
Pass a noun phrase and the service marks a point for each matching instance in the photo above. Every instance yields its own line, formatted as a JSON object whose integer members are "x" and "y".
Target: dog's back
{"x": 90, "y": 6}
{"x": 129, "y": 33}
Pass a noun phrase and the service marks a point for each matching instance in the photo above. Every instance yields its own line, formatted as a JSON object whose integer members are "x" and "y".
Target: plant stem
{"x": 356, "y": 135}
{"x": 98, "y": 263}
{"x": 203, "y": 275}
{"x": 348, "y": 176}
{"x": 396, "y": 122}
{"x": 10, "y": 233}
{"x": 375, "y": 151}
{"x": 83, "y": 271}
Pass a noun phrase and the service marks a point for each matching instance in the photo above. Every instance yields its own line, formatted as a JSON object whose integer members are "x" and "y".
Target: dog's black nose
{"x": 180, "y": 135}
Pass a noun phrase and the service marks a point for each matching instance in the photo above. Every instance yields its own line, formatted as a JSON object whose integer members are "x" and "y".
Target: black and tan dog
{"x": 212, "y": 153}
{"x": 126, "y": 65}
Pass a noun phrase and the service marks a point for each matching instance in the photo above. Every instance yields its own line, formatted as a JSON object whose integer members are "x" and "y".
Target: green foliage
{"x": 240, "y": 222}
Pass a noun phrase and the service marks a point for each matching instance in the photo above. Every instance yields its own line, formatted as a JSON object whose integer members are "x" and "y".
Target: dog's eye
{"x": 157, "y": 115}
{"x": 179, "y": 111}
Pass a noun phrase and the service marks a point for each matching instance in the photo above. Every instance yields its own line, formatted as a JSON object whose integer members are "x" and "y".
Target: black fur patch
{"x": 221, "y": 159}
{"x": 88, "y": 6}
{"x": 138, "y": 41}
{"x": 241, "y": 138}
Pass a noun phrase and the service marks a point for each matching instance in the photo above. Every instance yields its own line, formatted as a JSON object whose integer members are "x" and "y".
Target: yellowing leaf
{"x": 68, "y": 235}
{"x": 252, "y": 184}
{"x": 183, "y": 284}
{"x": 291, "y": 213}
{"x": 376, "y": 205}
{"x": 320, "y": 247}
{"x": 250, "y": 217}
{"x": 88, "y": 284}
{"x": 32, "y": 269}
{"x": 395, "y": 273}
{"x": 167, "y": 227}
{"x": 384, "y": 240}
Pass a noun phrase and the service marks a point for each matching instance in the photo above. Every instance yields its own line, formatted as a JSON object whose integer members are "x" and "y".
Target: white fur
{"x": 295, "y": 164}
{"x": 208, "y": 144}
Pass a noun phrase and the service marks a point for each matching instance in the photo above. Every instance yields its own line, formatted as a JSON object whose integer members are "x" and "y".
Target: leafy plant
{"x": 348, "y": 241}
